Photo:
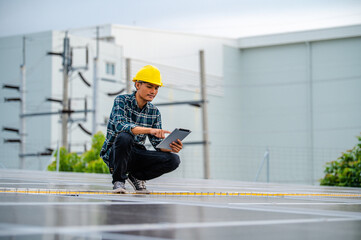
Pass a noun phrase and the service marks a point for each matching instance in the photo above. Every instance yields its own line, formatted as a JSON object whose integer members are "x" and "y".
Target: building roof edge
{"x": 300, "y": 36}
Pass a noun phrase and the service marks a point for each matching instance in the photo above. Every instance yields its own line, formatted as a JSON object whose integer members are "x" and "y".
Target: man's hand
{"x": 176, "y": 146}
{"x": 159, "y": 133}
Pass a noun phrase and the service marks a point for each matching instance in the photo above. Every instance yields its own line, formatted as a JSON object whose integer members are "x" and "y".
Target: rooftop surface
{"x": 49, "y": 205}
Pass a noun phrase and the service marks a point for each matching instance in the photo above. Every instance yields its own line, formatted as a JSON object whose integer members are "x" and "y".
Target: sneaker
{"x": 138, "y": 185}
{"x": 119, "y": 187}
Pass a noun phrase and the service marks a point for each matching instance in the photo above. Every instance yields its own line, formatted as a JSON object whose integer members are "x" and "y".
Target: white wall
{"x": 272, "y": 107}
{"x": 336, "y": 74}
{"x": 171, "y": 48}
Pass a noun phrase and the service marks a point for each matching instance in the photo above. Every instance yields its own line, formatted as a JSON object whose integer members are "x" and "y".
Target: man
{"x": 133, "y": 118}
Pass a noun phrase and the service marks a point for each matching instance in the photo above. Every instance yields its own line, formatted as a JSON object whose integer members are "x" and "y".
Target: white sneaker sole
{"x": 120, "y": 190}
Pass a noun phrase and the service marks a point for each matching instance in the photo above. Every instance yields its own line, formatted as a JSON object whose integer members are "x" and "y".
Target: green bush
{"x": 89, "y": 161}
{"x": 346, "y": 171}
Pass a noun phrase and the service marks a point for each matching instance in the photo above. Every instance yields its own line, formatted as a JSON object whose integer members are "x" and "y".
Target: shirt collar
{"x": 135, "y": 104}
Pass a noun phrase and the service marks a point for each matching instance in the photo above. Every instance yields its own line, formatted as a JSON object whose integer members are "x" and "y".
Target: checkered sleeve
{"x": 157, "y": 124}
{"x": 117, "y": 123}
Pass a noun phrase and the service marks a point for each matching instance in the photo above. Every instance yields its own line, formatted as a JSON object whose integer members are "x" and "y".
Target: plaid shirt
{"x": 126, "y": 115}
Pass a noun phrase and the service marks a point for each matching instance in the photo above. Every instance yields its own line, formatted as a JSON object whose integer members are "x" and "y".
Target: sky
{"x": 224, "y": 18}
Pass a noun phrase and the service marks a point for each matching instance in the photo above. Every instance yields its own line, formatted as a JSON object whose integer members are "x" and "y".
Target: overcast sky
{"x": 228, "y": 18}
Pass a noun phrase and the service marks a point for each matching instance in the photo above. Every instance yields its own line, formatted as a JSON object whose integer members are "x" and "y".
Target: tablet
{"x": 178, "y": 133}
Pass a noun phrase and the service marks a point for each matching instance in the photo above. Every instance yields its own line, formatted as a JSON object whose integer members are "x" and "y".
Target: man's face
{"x": 147, "y": 91}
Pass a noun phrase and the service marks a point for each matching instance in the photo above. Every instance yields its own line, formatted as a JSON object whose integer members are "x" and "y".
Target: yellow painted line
{"x": 247, "y": 194}
{"x": 255, "y": 194}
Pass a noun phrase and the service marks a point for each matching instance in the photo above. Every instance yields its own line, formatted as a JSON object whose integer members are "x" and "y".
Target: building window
{"x": 110, "y": 68}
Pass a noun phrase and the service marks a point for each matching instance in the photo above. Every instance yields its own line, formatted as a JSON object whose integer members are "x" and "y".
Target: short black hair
{"x": 139, "y": 82}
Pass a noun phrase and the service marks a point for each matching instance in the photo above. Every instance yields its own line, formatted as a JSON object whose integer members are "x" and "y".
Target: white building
{"x": 44, "y": 79}
{"x": 296, "y": 94}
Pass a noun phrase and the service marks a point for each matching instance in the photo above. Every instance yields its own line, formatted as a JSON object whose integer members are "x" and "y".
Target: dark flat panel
{"x": 73, "y": 215}
{"x": 30, "y": 198}
{"x": 324, "y": 230}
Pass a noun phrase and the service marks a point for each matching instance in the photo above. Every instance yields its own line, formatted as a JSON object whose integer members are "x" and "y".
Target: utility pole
{"x": 311, "y": 127}
{"x": 204, "y": 116}
{"x": 128, "y": 77}
{"x": 22, "y": 108}
{"x": 95, "y": 85}
{"x": 65, "y": 112}
{"x": 66, "y": 68}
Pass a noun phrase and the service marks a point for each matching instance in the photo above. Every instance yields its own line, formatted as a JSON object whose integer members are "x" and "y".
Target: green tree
{"x": 346, "y": 170}
{"x": 89, "y": 161}
{"x": 94, "y": 164}
{"x": 67, "y": 161}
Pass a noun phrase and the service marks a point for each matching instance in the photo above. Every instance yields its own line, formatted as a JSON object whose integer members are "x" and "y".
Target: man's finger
{"x": 176, "y": 150}
{"x": 162, "y": 133}
{"x": 175, "y": 147}
{"x": 178, "y": 144}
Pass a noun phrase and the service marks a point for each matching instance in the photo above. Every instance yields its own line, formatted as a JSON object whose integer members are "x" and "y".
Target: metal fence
{"x": 244, "y": 163}
{"x": 234, "y": 162}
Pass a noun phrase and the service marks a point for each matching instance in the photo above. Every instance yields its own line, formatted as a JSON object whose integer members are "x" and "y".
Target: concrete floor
{"x": 48, "y": 205}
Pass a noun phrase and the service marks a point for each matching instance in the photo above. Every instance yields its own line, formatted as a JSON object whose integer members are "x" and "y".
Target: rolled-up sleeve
{"x": 157, "y": 124}
{"x": 119, "y": 121}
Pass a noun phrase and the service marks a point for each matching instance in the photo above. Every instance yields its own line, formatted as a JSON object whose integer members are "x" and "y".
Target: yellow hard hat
{"x": 149, "y": 74}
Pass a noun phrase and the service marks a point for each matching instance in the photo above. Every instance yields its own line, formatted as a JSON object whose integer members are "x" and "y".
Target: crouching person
{"x": 132, "y": 119}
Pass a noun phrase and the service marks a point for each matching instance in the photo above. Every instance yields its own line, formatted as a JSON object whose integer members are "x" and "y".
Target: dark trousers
{"x": 129, "y": 157}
